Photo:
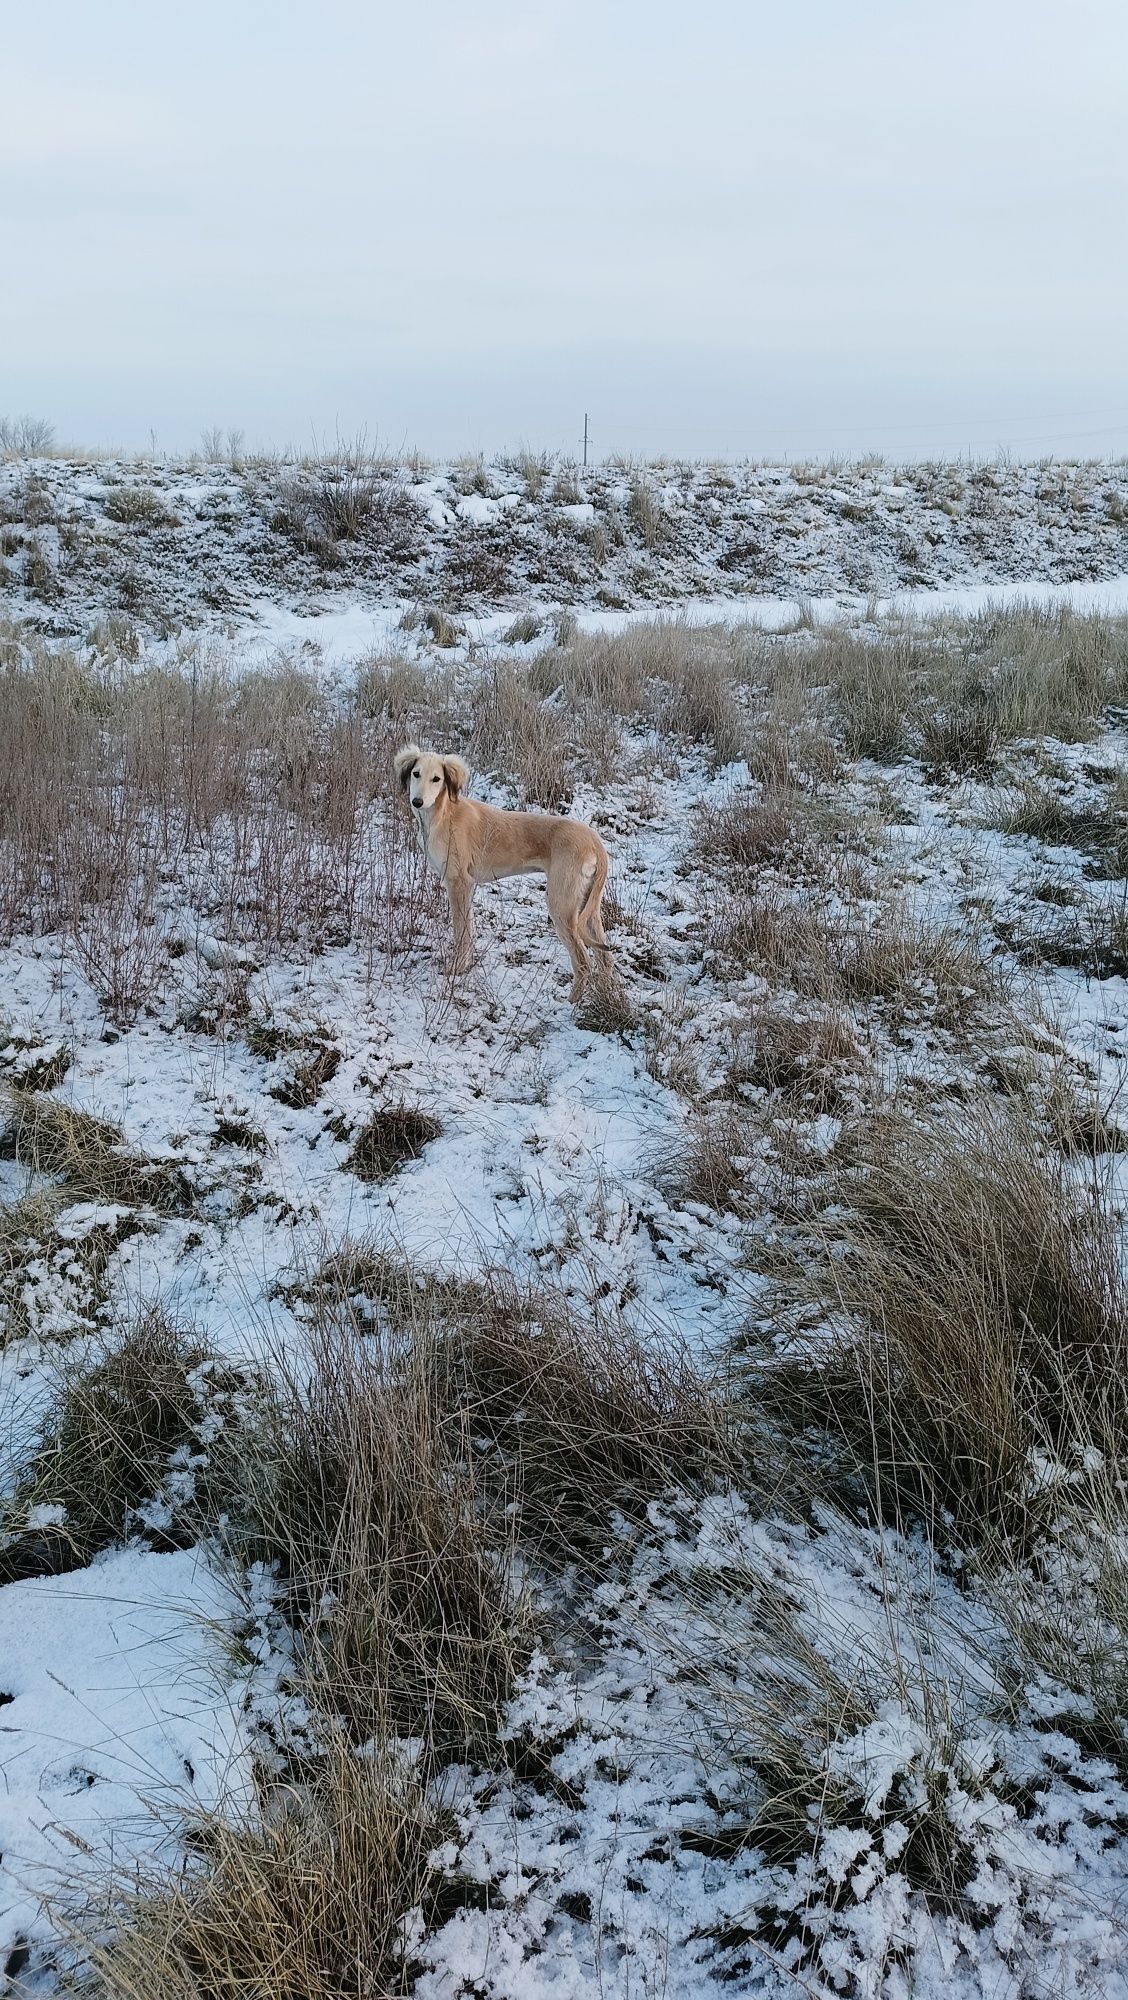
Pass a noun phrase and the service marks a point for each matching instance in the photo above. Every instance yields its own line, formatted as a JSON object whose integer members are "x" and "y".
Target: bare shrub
{"x": 255, "y": 793}
{"x": 352, "y": 495}
{"x": 26, "y": 437}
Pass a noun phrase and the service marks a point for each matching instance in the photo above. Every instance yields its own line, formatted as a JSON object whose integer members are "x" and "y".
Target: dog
{"x": 467, "y": 843}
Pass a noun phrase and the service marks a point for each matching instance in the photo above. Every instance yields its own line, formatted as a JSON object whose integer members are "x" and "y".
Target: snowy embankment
{"x": 172, "y": 544}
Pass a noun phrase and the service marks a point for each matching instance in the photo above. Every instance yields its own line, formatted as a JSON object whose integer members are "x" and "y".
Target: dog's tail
{"x": 590, "y": 905}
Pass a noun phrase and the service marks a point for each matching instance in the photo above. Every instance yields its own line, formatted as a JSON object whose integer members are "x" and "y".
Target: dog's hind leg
{"x": 564, "y": 911}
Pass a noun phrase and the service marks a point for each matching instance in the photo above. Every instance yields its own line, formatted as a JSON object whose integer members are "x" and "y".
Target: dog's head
{"x": 425, "y": 776}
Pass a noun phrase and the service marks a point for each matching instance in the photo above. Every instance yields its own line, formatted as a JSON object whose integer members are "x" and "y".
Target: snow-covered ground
{"x": 123, "y": 1698}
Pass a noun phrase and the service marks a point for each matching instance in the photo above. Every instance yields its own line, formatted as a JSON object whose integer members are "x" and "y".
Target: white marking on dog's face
{"x": 425, "y": 782}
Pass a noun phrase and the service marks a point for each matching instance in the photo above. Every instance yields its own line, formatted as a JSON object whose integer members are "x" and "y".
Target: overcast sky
{"x": 721, "y": 226}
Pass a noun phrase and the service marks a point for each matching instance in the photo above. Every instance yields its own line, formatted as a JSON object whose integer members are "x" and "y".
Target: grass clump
{"x": 107, "y": 1447}
{"x": 524, "y": 629}
{"x": 305, "y": 1081}
{"x": 88, "y": 1153}
{"x": 584, "y": 1417}
{"x": 311, "y": 1900}
{"x": 983, "y": 1317}
{"x": 808, "y": 1059}
{"x": 393, "y": 1135}
{"x": 138, "y": 507}
{"x": 605, "y": 1005}
{"x": 356, "y": 1485}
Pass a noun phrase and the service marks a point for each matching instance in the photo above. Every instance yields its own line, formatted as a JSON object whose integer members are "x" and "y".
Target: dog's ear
{"x": 457, "y": 775}
{"x": 403, "y": 761}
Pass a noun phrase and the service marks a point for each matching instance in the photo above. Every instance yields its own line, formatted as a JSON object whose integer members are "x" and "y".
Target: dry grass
{"x": 312, "y": 1900}
{"x": 983, "y": 1317}
{"x": 648, "y": 517}
{"x": 956, "y": 693}
{"x": 714, "y": 1163}
{"x": 354, "y": 1475}
{"x": 1092, "y": 939}
{"x": 255, "y": 793}
{"x": 809, "y": 1059}
{"x": 775, "y": 830}
{"x": 105, "y": 1450}
{"x": 532, "y": 469}
{"x": 583, "y": 1417}
{"x": 1099, "y": 832}
{"x": 512, "y": 731}
{"x": 350, "y": 495}
{"x": 389, "y": 1138}
{"x": 605, "y": 1006}
{"x": 90, "y": 1155}
{"x": 524, "y": 629}
{"x": 138, "y": 507}
{"x": 850, "y": 954}
{"x": 354, "y": 1478}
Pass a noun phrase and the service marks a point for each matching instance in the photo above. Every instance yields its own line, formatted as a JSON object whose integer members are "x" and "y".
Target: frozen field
{"x": 632, "y": 1497}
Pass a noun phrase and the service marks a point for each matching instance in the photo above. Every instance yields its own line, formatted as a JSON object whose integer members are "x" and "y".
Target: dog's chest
{"x": 435, "y": 851}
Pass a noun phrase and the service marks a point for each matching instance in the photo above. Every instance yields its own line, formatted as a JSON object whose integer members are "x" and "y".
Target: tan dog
{"x": 467, "y": 843}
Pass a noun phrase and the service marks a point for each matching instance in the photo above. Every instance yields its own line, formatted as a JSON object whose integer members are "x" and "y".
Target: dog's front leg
{"x": 460, "y": 894}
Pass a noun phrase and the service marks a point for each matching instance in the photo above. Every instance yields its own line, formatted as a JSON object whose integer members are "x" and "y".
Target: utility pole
{"x": 584, "y": 440}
